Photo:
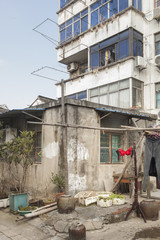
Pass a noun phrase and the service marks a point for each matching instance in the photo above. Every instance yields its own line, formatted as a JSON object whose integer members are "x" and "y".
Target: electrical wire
{"x": 52, "y": 40}
{"x": 52, "y": 79}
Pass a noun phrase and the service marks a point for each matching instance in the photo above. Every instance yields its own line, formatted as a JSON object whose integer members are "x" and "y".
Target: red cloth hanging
{"x": 121, "y": 152}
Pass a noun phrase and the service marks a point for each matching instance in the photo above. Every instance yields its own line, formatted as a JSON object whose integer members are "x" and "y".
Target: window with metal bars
{"x": 37, "y": 147}
{"x": 109, "y": 144}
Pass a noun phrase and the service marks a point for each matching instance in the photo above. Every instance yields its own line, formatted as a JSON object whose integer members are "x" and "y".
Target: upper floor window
{"x": 117, "y": 94}
{"x": 116, "y": 48}
{"x": 64, "y": 2}
{"x": 80, "y": 95}
{"x": 104, "y": 9}
{"x": 137, "y": 4}
{"x": 157, "y": 44}
{"x": 109, "y": 143}
{"x": 157, "y": 86}
{"x": 74, "y": 26}
{"x": 157, "y": 3}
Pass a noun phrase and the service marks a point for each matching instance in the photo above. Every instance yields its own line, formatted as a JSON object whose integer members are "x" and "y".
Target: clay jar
{"x": 77, "y": 232}
{"x": 150, "y": 209}
{"x": 66, "y": 204}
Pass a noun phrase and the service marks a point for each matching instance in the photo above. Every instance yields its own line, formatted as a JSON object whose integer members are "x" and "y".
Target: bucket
{"x": 150, "y": 209}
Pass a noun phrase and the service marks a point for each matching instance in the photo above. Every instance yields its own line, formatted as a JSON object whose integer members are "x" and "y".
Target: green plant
{"x": 18, "y": 155}
{"x": 58, "y": 180}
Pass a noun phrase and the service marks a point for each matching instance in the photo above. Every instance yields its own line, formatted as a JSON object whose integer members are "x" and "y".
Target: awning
{"x": 129, "y": 113}
{"x": 19, "y": 112}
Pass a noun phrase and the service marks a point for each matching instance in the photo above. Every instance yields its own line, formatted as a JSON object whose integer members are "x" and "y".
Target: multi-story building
{"x": 112, "y": 52}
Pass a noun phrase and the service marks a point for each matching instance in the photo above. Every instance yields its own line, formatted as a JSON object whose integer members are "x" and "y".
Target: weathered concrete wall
{"x": 40, "y": 174}
{"x": 85, "y": 172}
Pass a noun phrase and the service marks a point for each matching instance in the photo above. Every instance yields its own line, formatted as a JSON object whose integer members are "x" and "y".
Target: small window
{"x": 157, "y": 43}
{"x": 109, "y": 144}
{"x": 36, "y": 153}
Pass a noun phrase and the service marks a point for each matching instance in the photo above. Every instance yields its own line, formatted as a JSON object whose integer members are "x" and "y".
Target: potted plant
{"x": 58, "y": 180}
{"x": 18, "y": 155}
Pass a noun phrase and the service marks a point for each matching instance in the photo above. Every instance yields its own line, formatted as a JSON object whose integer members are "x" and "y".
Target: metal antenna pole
{"x": 135, "y": 204}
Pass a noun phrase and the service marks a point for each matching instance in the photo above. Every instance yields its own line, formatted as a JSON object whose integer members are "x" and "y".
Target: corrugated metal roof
{"x": 129, "y": 113}
{"x": 15, "y": 112}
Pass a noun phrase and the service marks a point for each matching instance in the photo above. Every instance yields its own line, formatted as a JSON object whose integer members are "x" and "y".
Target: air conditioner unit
{"x": 157, "y": 60}
{"x": 156, "y": 13}
{"x": 72, "y": 67}
{"x": 140, "y": 62}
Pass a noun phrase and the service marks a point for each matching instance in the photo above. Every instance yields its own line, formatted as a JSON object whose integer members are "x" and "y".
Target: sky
{"x": 24, "y": 51}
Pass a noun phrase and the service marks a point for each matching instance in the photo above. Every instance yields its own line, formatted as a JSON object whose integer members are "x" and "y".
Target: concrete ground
{"x": 54, "y": 226}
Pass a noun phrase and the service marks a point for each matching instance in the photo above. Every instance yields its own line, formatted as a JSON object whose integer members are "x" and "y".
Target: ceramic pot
{"x": 77, "y": 232}
{"x": 150, "y": 209}
{"x": 66, "y": 204}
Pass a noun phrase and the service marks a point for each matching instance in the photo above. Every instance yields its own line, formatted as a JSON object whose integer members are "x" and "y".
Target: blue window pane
{"x": 84, "y": 24}
{"x": 158, "y": 99}
{"x": 113, "y": 7}
{"x": 134, "y": 3}
{"x": 134, "y": 47}
{"x": 62, "y": 3}
{"x": 69, "y": 22}
{"x": 124, "y": 49}
{"x": 62, "y": 35}
{"x": 72, "y": 96}
{"x": 94, "y": 48}
{"x": 104, "y": 12}
{"x": 123, "y": 4}
{"x": 69, "y": 32}
{"x": 157, "y": 48}
{"x": 76, "y": 28}
{"x": 104, "y": 1}
{"x": 117, "y": 51}
{"x": 77, "y": 17}
{"x": 139, "y": 49}
{"x": 62, "y": 26}
{"x": 140, "y": 5}
{"x": 94, "y": 18}
{"x": 137, "y": 35}
{"x": 94, "y": 60}
{"x": 95, "y": 5}
{"x": 108, "y": 42}
{"x": 82, "y": 95}
{"x": 124, "y": 34}
{"x": 84, "y": 12}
